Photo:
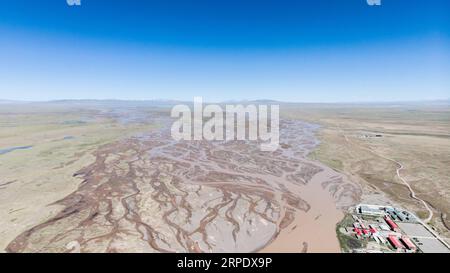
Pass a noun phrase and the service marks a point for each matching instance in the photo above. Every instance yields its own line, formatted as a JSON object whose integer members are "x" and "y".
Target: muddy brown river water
{"x": 153, "y": 194}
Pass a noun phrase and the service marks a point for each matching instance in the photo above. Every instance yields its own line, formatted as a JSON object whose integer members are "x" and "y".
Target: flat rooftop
{"x": 424, "y": 239}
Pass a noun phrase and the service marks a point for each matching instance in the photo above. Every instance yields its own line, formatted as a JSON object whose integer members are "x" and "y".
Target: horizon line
{"x": 227, "y": 101}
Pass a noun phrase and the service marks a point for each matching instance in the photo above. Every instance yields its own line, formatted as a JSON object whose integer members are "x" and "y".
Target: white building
{"x": 363, "y": 209}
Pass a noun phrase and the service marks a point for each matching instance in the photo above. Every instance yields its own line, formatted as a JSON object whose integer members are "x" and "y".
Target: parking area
{"x": 424, "y": 239}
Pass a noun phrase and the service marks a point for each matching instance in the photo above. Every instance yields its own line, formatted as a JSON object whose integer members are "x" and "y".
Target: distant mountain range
{"x": 166, "y": 103}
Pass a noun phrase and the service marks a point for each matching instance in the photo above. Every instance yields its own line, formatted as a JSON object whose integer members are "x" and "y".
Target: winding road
{"x": 399, "y": 168}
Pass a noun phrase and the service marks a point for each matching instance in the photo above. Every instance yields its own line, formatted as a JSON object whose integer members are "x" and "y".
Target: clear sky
{"x": 306, "y": 51}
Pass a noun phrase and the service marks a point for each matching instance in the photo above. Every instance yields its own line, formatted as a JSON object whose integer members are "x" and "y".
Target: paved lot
{"x": 423, "y": 238}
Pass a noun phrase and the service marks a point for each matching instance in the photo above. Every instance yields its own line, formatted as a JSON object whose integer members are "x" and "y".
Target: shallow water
{"x": 201, "y": 196}
{"x": 8, "y": 150}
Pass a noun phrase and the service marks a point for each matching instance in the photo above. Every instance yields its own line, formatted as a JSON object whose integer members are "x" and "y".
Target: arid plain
{"x": 398, "y": 153}
{"x": 107, "y": 177}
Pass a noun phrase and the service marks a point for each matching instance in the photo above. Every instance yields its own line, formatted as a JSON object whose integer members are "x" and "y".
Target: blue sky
{"x": 306, "y": 51}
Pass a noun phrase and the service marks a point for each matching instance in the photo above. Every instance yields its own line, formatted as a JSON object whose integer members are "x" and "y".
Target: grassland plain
{"x": 370, "y": 144}
{"x": 61, "y": 141}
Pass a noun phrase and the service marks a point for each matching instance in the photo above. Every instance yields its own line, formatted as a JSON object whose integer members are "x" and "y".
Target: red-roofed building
{"x": 395, "y": 242}
{"x": 407, "y": 242}
{"x": 391, "y": 223}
